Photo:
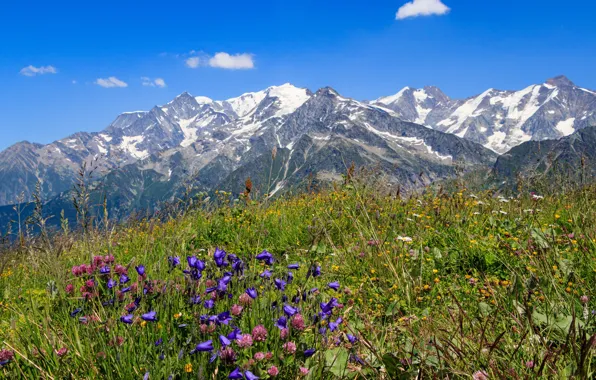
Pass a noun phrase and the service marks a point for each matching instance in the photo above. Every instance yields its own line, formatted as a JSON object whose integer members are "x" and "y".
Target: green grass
{"x": 445, "y": 285}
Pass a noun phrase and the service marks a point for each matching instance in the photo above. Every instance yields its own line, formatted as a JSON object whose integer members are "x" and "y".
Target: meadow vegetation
{"x": 354, "y": 281}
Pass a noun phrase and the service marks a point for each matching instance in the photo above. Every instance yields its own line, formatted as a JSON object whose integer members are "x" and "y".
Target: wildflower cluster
{"x": 215, "y": 313}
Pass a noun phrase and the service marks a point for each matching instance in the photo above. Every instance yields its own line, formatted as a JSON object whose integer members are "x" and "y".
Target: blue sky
{"x": 359, "y": 48}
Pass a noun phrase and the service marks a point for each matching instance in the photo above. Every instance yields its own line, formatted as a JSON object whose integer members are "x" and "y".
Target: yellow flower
{"x": 177, "y": 315}
{"x": 144, "y": 323}
{"x": 188, "y": 368}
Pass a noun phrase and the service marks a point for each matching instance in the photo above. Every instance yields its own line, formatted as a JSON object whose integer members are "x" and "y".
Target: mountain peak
{"x": 326, "y": 91}
{"x": 560, "y": 81}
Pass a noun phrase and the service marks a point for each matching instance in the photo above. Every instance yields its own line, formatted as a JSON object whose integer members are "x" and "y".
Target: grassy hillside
{"x": 436, "y": 285}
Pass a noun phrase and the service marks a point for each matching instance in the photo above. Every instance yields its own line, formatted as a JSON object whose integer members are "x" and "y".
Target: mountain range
{"x": 416, "y": 136}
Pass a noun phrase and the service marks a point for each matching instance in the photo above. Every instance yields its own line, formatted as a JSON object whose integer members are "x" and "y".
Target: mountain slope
{"x": 572, "y": 158}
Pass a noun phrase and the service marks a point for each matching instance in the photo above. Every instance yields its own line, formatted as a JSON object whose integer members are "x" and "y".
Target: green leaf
{"x": 337, "y": 361}
{"x": 538, "y": 237}
{"x": 484, "y": 309}
{"x": 392, "y": 364}
{"x": 392, "y": 309}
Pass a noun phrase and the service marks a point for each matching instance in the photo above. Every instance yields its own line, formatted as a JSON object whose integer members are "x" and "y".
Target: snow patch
{"x": 392, "y": 98}
{"x": 190, "y": 134}
{"x": 566, "y": 126}
{"x": 290, "y": 98}
{"x": 203, "y": 100}
{"x": 129, "y": 144}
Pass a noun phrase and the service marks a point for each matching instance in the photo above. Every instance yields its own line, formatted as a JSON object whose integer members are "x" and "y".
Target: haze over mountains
{"x": 415, "y": 136}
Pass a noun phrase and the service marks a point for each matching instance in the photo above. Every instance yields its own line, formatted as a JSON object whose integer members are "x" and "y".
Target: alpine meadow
{"x": 311, "y": 190}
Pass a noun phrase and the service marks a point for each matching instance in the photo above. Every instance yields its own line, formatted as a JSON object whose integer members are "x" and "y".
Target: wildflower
{"x": 293, "y": 266}
{"x": 174, "y": 261}
{"x": 259, "y": 333}
{"x": 252, "y": 292}
{"x": 530, "y": 364}
{"x": 250, "y": 376}
{"x": 124, "y": 279}
{"x": 480, "y": 375}
{"x": 227, "y": 355}
{"x": 195, "y": 300}
{"x": 244, "y": 341}
{"x": 150, "y": 316}
{"x": 209, "y": 304}
{"x": 224, "y": 341}
{"x": 273, "y": 371}
{"x": 327, "y": 308}
{"x": 266, "y": 274}
{"x": 119, "y": 269}
{"x": 140, "y": 270}
{"x": 77, "y": 271}
{"x": 97, "y": 260}
{"x": 204, "y": 347}
{"x": 280, "y": 284}
{"x": 298, "y": 322}
{"x": 238, "y": 266}
{"x": 333, "y": 325}
{"x": 5, "y": 357}
{"x": 69, "y": 288}
{"x": 158, "y": 342}
{"x": 188, "y": 368}
{"x": 584, "y": 299}
{"x": 334, "y": 285}
{"x": 111, "y": 283}
{"x": 281, "y": 323}
{"x": 316, "y": 271}
{"x": 245, "y": 299}
{"x": 90, "y": 284}
{"x": 104, "y": 270}
{"x": 289, "y": 347}
{"x": 62, "y": 352}
{"x": 259, "y": 356}
{"x": 266, "y": 256}
{"x": 290, "y": 310}
{"x": 236, "y": 374}
{"x": 219, "y": 257}
{"x": 235, "y": 334}
{"x": 405, "y": 239}
{"x": 310, "y": 352}
{"x": 284, "y": 333}
{"x": 236, "y": 310}
{"x": 224, "y": 318}
{"x": 351, "y": 338}
{"x": 303, "y": 371}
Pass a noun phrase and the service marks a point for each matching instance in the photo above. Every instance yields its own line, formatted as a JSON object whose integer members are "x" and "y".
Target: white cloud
{"x": 417, "y": 8}
{"x": 31, "y": 71}
{"x": 232, "y": 62}
{"x": 221, "y": 60}
{"x": 157, "y": 82}
{"x": 74, "y": 82}
{"x": 193, "y": 62}
{"x": 110, "y": 82}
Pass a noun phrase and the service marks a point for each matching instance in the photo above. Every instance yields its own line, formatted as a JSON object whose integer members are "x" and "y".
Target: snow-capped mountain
{"x": 191, "y": 135}
{"x": 498, "y": 119}
{"x": 217, "y": 142}
{"x": 134, "y": 136}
